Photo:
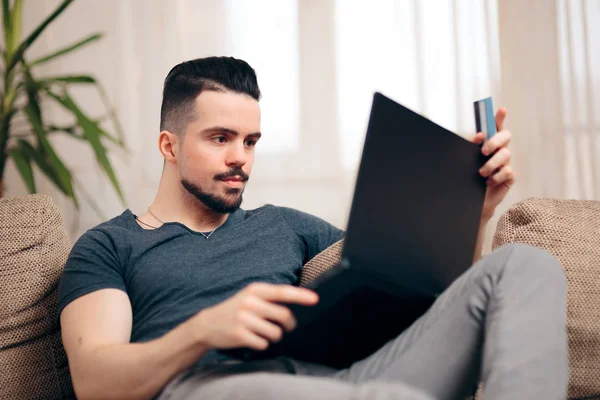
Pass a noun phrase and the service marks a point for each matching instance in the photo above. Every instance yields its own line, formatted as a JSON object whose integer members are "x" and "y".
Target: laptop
{"x": 412, "y": 231}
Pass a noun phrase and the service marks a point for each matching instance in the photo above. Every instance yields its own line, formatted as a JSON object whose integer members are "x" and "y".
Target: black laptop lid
{"x": 417, "y": 201}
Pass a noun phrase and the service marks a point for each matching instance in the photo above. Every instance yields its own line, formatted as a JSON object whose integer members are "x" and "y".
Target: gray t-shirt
{"x": 172, "y": 272}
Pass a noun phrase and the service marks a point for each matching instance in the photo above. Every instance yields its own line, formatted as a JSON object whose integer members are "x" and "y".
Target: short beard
{"x": 216, "y": 203}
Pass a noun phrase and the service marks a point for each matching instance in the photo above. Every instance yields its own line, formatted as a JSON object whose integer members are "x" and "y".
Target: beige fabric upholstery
{"x": 321, "y": 263}
{"x": 569, "y": 229}
{"x": 33, "y": 250}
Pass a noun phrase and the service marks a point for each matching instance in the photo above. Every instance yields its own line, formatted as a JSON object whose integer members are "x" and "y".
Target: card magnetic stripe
{"x": 484, "y": 117}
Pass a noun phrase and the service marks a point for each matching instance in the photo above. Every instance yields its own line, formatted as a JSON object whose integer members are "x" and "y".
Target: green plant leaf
{"x": 72, "y": 79}
{"x": 66, "y": 79}
{"x": 23, "y": 163}
{"x": 68, "y": 49}
{"x": 71, "y": 130}
{"x": 36, "y": 85}
{"x": 41, "y": 161}
{"x": 86, "y": 79}
{"x": 4, "y": 136}
{"x": 6, "y": 25}
{"x": 9, "y": 99}
{"x": 62, "y": 174}
{"x": 66, "y": 129}
{"x": 120, "y": 139}
{"x": 92, "y": 133}
{"x": 16, "y": 22}
{"x": 111, "y": 138}
{"x": 14, "y": 58}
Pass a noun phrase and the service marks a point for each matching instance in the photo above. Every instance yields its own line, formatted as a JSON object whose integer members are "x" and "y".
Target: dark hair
{"x": 187, "y": 80}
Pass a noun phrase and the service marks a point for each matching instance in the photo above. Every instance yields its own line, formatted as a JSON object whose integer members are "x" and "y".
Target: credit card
{"x": 485, "y": 121}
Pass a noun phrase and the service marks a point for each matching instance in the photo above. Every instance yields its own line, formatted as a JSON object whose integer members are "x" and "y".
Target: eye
{"x": 251, "y": 142}
{"x": 219, "y": 139}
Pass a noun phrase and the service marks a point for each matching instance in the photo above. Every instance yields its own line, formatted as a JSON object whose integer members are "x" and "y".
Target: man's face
{"x": 217, "y": 150}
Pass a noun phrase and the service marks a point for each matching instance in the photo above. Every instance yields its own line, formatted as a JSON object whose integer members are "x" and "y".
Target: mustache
{"x": 232, "y": 173}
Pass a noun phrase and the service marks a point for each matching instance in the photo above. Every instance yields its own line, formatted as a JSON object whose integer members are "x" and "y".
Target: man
{"x": 148, "y": 302}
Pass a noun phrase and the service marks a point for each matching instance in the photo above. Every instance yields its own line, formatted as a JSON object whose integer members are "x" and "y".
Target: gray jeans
{"x": 503, "y": 322}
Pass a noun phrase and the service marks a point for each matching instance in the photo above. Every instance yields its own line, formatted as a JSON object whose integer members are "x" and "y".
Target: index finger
{"x": 500, "y": 116}
{"x": 284, "y": 294}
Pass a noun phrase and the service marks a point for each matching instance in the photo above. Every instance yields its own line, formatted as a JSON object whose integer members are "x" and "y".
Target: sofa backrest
{"x": 321, "y": 263}
{"x": 570, "y": 230}
{"x": 33, "y": 250}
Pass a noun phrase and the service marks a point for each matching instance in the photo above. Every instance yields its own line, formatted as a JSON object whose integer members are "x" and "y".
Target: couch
{"x": 34, "y": 247}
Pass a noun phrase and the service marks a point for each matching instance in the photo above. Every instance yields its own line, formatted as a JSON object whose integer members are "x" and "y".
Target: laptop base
{"x": 355, "y": 317}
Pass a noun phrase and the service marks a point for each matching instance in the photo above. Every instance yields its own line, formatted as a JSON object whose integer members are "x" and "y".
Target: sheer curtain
{"x": 551, "y": 82}
{"x": 435, "y": 57}
{"x": 579, "y": 55}
{"x": 318, "y": 63}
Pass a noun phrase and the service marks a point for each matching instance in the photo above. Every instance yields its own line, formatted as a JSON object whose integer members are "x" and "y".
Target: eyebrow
{"x": 232, "y": 132}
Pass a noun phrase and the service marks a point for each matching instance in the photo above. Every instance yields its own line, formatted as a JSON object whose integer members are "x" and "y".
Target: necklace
{"x": 142, "y": 222}
{"x": 206, "y": 235}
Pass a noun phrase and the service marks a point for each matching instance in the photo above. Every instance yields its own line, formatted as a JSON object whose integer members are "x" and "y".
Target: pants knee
{"x": 527, "y": 261}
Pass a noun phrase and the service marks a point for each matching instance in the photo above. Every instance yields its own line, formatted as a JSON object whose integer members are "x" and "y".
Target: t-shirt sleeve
{"x": 316, "y": 233}
{"x": 93, "y": 264}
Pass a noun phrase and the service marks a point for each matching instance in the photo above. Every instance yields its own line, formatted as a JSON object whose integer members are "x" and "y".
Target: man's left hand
{"x": 498, "y": 171}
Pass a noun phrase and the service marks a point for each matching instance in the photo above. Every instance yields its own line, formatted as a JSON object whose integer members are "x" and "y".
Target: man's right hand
{"x": 251, "y": 318}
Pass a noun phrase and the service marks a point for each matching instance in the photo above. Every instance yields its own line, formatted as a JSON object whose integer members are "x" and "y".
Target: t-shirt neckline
{"x": 231, "y": 219}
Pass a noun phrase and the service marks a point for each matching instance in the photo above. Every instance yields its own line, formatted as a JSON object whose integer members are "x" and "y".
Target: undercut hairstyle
{"x": 187, "y": 80}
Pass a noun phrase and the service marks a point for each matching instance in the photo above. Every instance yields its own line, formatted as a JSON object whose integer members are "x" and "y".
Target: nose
{"x": 237, "y": 155}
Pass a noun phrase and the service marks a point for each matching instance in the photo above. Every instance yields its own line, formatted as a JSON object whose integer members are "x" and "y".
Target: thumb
{"x": 478, "y": 138}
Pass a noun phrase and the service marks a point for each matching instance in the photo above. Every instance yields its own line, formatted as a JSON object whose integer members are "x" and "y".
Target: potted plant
{"x": 25, "y": 131}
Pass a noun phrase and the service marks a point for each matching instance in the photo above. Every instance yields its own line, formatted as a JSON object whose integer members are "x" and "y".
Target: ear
{"x": 168, "y": 146}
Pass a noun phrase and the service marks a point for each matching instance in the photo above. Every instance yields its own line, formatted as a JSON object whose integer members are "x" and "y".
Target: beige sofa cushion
{"x": 33, "y": 250}
{"x": 569, "y": 229}
{"x": 321, "y": 263}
